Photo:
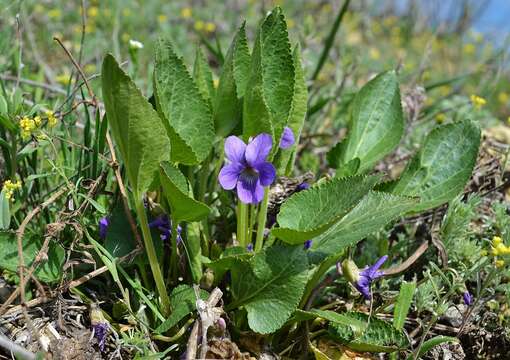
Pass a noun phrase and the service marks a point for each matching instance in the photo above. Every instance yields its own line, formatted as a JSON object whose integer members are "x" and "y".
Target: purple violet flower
{"x": 468, "y": 298}
{"x": 368, "y": 275}
{"x": 100, "y": 332}
{"x": 164, "y": 225}
{"x": 308, "y": 244}
{"x": 248, "y": 170}
{"x": 287, "y": 139}
{"x": 303, "y": 186}
{"x": 103, "y": 227}
{"x": 249, "y": 247}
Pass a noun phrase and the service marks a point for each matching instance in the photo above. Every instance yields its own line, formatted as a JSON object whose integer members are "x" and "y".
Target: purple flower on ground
{"x": 164, "y": 225}
{"x": 100, "y": 332}
{"x": 287, "y": 139}
{"x": 308, "y": 244}
{"x": 103, "y": 227}
{"x": 368, "y": 275}
{"x": 303, "y": 186}
{"x": 468, "y": 298}
{"x": 247, "y": 169}
{"x": 249, "y": 247}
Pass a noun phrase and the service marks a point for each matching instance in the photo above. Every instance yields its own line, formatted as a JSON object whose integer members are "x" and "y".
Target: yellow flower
{"x": 64, "y": 79}
{"x": 186, "y": 13}
{"x": 9, "y": 187}
{"x": 52, "y": 119}
{"x": 37, "y": 121}
{"x": 216, "y": 82}
{"x": 90, "y": 28}
{"x": 500, "y": 263}
{"x": 477, "y": 101}
{"x": 199, "y": 25}
{"x": 27, "y": 126}
{"x": 469, "y": 49}
{"x": 503, "y": 97}
{"x": 93, "y": 11}
{"x": 162, "y": 18}
{"x": 90, "y": 68}
{"x": 440, "y": 118}
{"x": 375, "y": 54}
{"x": 126, "y": 12}
{"x": 483, "y": 253}
{"x": 496, "y": 240}
{"x": 54, "y": 14}
{"x": 210, "y": 27}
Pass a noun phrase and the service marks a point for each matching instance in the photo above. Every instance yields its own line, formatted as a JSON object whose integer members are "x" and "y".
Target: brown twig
{"x": 395, "y": 270}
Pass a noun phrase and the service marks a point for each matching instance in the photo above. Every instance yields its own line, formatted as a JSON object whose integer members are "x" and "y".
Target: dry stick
{"x": 15, "y": 349}
{"x": 395, "y": 270}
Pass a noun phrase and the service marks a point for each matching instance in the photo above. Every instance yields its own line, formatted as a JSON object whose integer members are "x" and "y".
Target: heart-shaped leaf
{"x": 442, "y": 166}
{"x": 136, "y": 128}
{"x": 188, "y": 118}
{"x": 309, "y": 213}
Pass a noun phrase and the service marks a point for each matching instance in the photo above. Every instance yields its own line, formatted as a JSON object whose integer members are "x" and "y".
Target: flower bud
{"x": 350, "y": 270}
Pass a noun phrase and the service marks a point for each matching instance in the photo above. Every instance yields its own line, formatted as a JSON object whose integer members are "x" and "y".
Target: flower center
{"x": 250, "y": 175}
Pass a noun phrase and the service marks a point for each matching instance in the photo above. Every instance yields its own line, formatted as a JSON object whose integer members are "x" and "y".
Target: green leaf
{"x": 379, "y": 336}
{"x": 443, "y": 165}
{"x": 404, "y": 300}
{"x": 179, "y": 196}
{"x": 119, "y": 239}
{"x": 136, "y": 127}
{"x": 182, "y": 300}
{"x": 431, "y": 343}
{"x": 232, "y": 84}
{"x": 374, "y": 211}
{"x": 229, "y": 259}
{"x": 297, "y": 113}
{"x": 309, "y": 213}
{"x": 268, "y": 99}
{"x": 203, "y": 76}
{"x": 5, "y": 212}
{"x": 188, "y": 118}
{"x": 357, "y": 326}
{"x": 271, "y": 286}
{"x": 48, "y": 271}
{"x": 377, "y": 123}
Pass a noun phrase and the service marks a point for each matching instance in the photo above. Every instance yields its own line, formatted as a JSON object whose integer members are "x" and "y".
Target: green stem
{"x": 153, "y": 258}
{"x": 173, "y": 255}
{"x": 242, "y": 224}
{"x": 261, "y": 221}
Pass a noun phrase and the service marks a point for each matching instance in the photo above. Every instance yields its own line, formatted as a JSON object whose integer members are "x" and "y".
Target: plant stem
{"x": 153, "y": 258}
{"x": 173, "y": 255}
{"x": 242, "y": 224}
{"x": 261, "y": 221}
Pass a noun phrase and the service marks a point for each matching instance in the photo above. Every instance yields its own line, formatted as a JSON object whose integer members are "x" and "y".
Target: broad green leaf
{"x": 271, "y": 286}
{"x": 229, "y": 258}
{"x": 136, "y": 127}
{"x": 404, "y": 300}
{"x": 358, "y": 326}
{"x": 443, "y": 165}
{"x": 203, "y": 76}
{"x": 309, "y": 213}
{"x": 187, "y": 115}
{"x": 182, "y": 300}
{"x": 374, "y": 211}
{"x": 175, "y": 187}
{"x": 5, "y": 212}
{"x": 377, "y": 123}
{"x": 379, "y": 336}
{"x": 268, "y": 97}
{"x": 232, "y": 84}
{"x": 297, "y": 112}
{"x": 431, "y": 343}
{"x": 48, "y": 271}
{"x": 119, "y": 239}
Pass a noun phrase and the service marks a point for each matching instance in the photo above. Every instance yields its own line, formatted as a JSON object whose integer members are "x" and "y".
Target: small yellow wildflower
{"x": 37, "y": 121}
{"x": 186, "y": 13}
{"x": 54, "y": 14}
{"x": 483, "y": 253}
{"x": 503, "y": 97}
{"x": 52, "y": 119}
{"x": 216, "y": 82}
{"x": 199, "y": 25}
{"x": 63, "y": 79}
{"x": 440, "y": 118}
{"x": 9, "y": 187}
{"x": 375, "y": 54}
{"x": 162, "y": 18}
{"x": 93, "y": 11}
{"x": 500, "y": 263}
{"x": 496, "y": 240}
{"x": 477, "y": 101}
{"x": 210, "y": 27}
{"x": 90, "y": 68}
{"x": 469, "y": 49}
{"x": 27, "y": 126}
